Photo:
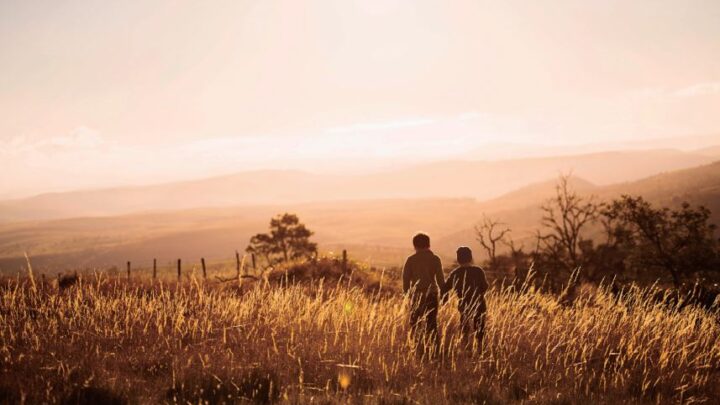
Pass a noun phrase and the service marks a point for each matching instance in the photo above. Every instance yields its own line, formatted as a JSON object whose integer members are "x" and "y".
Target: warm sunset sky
{"x": 120, "y": 92}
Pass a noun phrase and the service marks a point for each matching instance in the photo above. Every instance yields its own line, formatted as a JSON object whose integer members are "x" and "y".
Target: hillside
{"x": 377, "y": 231}
{"x": 520, "y": 209}
{"x": 204, "y": 342}
{"x": 700, "y": 185}
{"x": 480, "y": 180}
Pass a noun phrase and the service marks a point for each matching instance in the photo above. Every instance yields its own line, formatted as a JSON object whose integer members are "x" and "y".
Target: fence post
{"x": 128, "y": 270}
{"x": 202, "y": 260}
{"x": 154, "y": 269}
{"x": 179, "y": 271}
{"x": 344, "y": 261}
{"x": 253, "y": 261}
{"x": 237, "y": 263}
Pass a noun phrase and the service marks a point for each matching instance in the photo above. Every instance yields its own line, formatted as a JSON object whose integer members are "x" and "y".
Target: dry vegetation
{"x": 110, "y": 341}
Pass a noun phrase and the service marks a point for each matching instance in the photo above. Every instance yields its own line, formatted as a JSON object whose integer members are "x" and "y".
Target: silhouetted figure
{"x": 470, "y": 284}
{"x": 423, "y": 279}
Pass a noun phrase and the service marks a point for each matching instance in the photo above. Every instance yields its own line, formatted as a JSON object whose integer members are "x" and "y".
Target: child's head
{"x": 464, "y": 255}
{"x": 421, "y": 241}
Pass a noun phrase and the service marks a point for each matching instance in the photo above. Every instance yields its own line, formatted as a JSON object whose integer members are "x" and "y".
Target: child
{"x": 469, "y": 283}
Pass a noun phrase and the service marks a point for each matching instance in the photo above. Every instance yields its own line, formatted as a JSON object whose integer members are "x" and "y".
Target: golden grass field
{"x": 107, "y": 340}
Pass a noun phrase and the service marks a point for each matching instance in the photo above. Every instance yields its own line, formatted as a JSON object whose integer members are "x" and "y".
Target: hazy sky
{"x": 99, "y": 92}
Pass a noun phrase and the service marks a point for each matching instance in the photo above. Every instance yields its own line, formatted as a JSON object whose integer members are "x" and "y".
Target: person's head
{"x": 464, "y": 255}
{"x": 421, "y": 241}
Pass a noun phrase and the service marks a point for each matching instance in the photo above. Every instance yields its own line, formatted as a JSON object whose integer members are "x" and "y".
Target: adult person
{"x": 469, "y": 283}
{"x": 423, "y": 280}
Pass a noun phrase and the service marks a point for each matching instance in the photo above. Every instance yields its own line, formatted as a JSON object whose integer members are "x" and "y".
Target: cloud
{"x": 671, "y": 95}
{"x": 79, "y": 139}
{"x": 700, "y": 89}
{"x": 471, "y": 115}
{"x": 379, "y": 126}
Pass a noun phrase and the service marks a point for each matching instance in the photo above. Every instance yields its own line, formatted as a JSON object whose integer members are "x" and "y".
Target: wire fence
{"x": 243, "y": 265}
{"x": 223, "y": 268}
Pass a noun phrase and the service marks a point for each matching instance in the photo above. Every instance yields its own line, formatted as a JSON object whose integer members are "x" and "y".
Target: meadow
{"x": 342, "y": 339}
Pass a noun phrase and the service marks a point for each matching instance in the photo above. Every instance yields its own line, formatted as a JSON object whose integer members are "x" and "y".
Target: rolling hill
{"x": 377, "y": 231}
{"x": 480, "y": 180}
{"x": 520, "y": 209}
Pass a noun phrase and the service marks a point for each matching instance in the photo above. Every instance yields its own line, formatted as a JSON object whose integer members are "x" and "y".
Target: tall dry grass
{"x": 112, "y": 342}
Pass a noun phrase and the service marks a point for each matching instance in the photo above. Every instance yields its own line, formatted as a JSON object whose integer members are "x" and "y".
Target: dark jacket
{"x": 470, "y": 284}
{"x": 423, "y": 272}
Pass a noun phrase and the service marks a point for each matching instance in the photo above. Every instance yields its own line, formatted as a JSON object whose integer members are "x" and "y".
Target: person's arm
{"x": 439, "y": 276}
{"x": 483, "y": 282}
{"x": 406, "y": 276}
{"x": 448, "y": 288}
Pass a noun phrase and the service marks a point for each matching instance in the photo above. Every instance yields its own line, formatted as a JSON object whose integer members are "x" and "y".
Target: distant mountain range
{"x": 480, "y": 180}
{"x": 377, "y": 230}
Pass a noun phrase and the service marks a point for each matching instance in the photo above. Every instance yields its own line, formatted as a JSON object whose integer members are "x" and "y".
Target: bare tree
{"x": 564, "y": 216}
{"x": 489, "y": 233}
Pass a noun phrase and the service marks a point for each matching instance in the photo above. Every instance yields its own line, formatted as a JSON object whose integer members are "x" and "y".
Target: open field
{"x": 106, "y": 339}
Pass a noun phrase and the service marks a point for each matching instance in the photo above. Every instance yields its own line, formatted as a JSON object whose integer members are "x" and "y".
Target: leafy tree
{"x": 679, "y": 242}
{"x": 288, "y": 240}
